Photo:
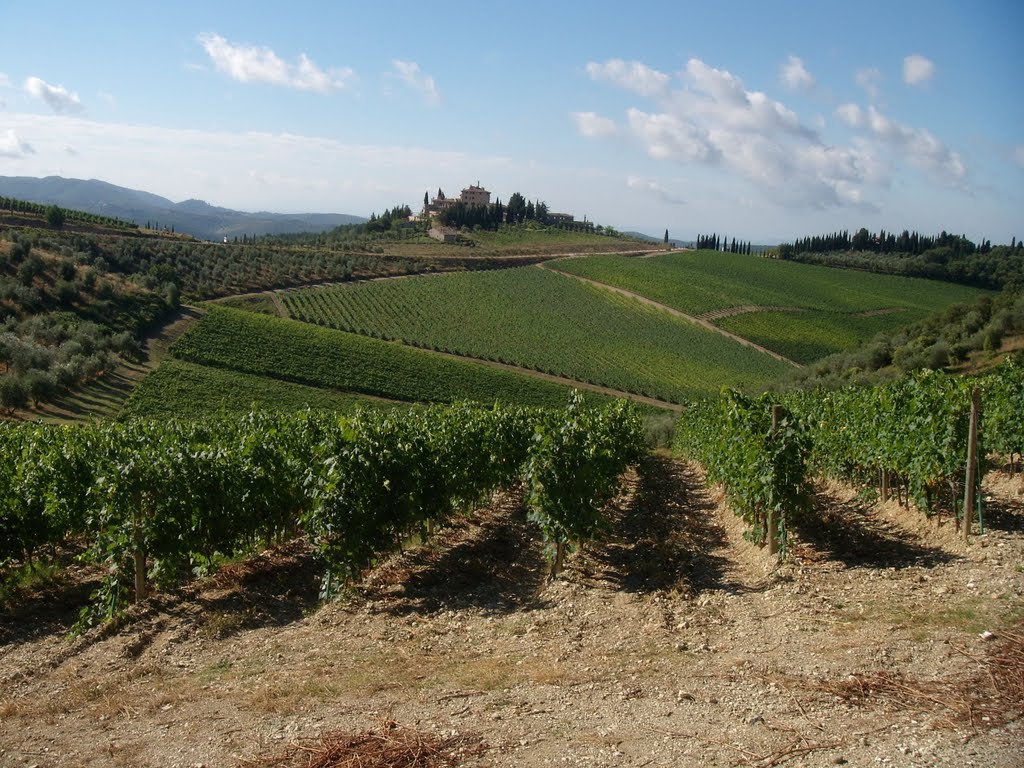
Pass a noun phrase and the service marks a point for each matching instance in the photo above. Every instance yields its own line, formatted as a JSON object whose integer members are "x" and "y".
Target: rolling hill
{"x": 194, "y": 217}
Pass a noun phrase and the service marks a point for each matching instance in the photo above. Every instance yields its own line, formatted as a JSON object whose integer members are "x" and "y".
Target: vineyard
{"x": 839, "y": 309}
{"x": 701, "y": 281}
{"x": 179, "y": 389}
{"x": 158, "y": 500}
{"x": 666, "y": 639}
{"x": 911, "y": 440}
{"x": 318, "y": 357}
{"x": 507, "y": 242}
{"x": 15, "y": 206}
{"x": 548, "y": 322}
{"x": 809, "y": 335}
{"x": 789, "y": 586}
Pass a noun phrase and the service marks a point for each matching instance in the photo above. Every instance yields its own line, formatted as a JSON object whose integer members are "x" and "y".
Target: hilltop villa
{"x": 471, "y": 195}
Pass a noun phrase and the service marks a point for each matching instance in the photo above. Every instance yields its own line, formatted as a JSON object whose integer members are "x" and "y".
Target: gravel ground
{"x": 671, "y": 642}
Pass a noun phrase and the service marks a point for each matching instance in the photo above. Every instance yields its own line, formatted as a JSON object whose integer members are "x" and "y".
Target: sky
{"x": 759, "y": 121}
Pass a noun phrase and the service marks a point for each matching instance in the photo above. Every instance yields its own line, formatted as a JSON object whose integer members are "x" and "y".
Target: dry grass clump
{"x": 991, "y": 697}
{"x": 389, "y": 746}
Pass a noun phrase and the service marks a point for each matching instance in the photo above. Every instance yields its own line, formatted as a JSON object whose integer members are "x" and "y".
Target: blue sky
{"x": 762, "y": 121}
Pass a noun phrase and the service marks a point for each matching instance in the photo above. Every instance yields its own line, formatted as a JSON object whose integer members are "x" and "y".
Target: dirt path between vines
{"x": 695, "y": 319}
{"x": 670, "y": 642}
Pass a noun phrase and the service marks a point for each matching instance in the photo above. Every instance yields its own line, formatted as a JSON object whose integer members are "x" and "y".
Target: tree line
{"x": 906, "y": 242}
{"x": 713, "y": 242}
{"x": 949, "y": 257}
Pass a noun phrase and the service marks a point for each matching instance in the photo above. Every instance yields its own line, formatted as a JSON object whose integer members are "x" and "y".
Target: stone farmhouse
{"x": 474, "y": 194}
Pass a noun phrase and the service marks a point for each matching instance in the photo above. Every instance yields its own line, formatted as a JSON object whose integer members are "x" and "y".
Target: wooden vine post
{"x": 972, "y": 462}
{"x": 773, "y": 522}
{"x": 139, "y": 549}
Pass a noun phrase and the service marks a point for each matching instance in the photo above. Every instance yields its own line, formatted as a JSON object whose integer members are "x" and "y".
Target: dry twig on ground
{"x": 987, "y": 699}
{"x": 389, "y": 746}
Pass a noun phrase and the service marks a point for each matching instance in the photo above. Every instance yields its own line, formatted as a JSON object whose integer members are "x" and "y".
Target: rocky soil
{"x": 881, "y": 640}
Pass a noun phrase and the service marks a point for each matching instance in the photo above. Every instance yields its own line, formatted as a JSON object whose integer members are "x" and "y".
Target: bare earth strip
{"x": 696, "y": 320}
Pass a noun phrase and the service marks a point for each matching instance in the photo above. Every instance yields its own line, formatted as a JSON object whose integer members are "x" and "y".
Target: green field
{"x": 542, "y": 320}
{"x": 180, "y": 389}
{"x": 318, "y": 357}
{"x": 833, "y": 301}
{"x": 702, "y": 281}
{"x": 811, "y": 334}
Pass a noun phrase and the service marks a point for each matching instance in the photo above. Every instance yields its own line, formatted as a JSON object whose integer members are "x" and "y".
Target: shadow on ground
{"x": 493, "y": 561}
{"x": 849, "y": 532}
{"x": 271, "y": 589}
{"x": 51, "y": 608}
{"x": 1003, "y": 500}
{"x": 663, "y": 536}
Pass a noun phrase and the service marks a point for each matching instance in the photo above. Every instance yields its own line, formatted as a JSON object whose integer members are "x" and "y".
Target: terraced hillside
{"x": 545, "y": 321}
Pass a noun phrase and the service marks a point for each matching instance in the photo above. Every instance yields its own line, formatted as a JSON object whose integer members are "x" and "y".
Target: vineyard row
{"x": 155, "y": 501}
{"x": 911, "y": 438}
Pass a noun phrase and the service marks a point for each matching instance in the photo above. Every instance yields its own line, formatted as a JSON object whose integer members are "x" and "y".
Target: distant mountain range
{"x": 193, "y": 217}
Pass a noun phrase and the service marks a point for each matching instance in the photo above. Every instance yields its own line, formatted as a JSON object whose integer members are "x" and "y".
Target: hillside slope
{"x": 194, "y": 217}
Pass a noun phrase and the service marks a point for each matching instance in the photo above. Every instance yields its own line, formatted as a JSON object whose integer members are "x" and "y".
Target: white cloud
{"x": 252, "y": 64}
{"x": 1018, "y": 155}
{"x": 918, "y": 145}
{"x": 670, "y": 137}
{"x": 409, "y": 73}
{"x": 850, "y": 114}
{"x": 12, "y": 146}
{"x": 593, "y": 125}
{"x": 631, "y": 75}
{"x": 707, "y": 116}
{"x": 650, "y": 187}
{"x": 794, "y": 74}
{"x": 719, "y": 98}
{"x": 869, "y": 79}
{"x": 5, "y": 81}
{"x": 59, "y": 98}
{"x": 917, "y": 70}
